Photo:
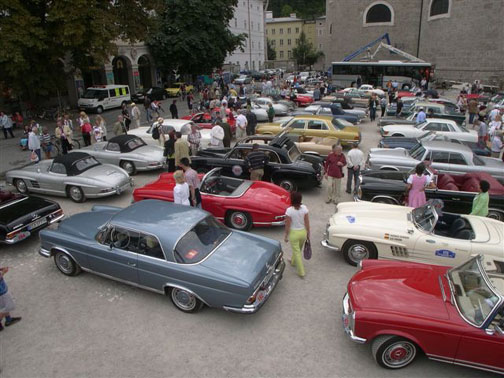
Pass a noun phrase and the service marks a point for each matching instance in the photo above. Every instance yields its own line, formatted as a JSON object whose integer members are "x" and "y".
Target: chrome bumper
{"x": 150, "y": 167}
{"x": 325, "y": 244}
{"x": 44, "y": 252}
{"x": 250, "y": 309}
{"x": 345, "y": 318}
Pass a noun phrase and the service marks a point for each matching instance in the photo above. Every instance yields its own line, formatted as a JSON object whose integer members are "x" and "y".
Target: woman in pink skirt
{"x": 417, "y": 183}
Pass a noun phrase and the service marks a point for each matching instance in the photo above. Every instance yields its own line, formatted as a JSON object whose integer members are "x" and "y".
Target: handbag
{"x": 307, "y": 252}
{"x": 34, "y": 157}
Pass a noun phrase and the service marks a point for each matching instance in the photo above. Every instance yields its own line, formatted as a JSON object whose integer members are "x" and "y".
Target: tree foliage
{"x": 192, "y": 36}
{"x": 286, "y": 11}
{"x": 270, "y": 50}
{"x": 304, "y": 53}
{"x": 306, "y": 9}
{"x": 37, "y": 36}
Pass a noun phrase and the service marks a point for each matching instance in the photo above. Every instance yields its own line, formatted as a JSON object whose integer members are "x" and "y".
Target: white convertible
{"x": 438, "y": 125}
{"x": 366, "y": 230}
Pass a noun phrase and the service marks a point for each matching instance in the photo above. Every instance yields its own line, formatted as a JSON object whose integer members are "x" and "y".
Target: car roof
{"x": 444, "y": 120}
{"x": 175, "y": 122}
{"x": 309, "y": 116}
{"x": 447, "y": 146}
{"x": 163, "y": 219}
{"x": 70, "y": 160}
{"x": 428, "y": 103}
{"x": 122, "y": 139}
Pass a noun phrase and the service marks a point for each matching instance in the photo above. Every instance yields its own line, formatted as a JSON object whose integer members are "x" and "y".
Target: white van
{"x": 103, "y": 97}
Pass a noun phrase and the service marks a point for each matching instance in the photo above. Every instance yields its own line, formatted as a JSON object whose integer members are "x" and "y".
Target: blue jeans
{"x": 471, "y": 117}
{"x": 38, "y": 154}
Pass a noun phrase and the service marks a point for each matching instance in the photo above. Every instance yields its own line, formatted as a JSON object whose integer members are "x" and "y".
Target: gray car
{"x": 76, "y": 175}
{"x": 129, "y": 152}
{"x": 178, "y": 251}
{"x": 445, "y": 157}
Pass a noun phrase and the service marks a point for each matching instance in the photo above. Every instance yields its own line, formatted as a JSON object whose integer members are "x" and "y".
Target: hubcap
{"x": 183, "y": 299}
{"x": 358, "y": 252}
{"x": 75, "y": 193}
{"x": 239, "y": 220}
{"x": 496, "y": 215}
{"x": 287, "y": 185}
{"x": 128, "y": 167}
{"x": 21, "y": 186}
{"x": 64, "y": 263}
{"x": 399, "y": 354}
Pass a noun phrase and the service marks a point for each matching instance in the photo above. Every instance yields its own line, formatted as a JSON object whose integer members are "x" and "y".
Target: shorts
{"x": 47, "y": 148}
{"x": 6, "y": 303}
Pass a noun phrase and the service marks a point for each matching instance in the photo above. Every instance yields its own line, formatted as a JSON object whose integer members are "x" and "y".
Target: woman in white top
{"x": 297, "y": 230}
{"x": 181, "y": 190}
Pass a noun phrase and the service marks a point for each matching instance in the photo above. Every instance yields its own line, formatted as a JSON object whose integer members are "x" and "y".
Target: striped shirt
{"x": 256, "y": 160}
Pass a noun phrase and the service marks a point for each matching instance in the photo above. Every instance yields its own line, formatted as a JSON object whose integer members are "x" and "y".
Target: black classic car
{"x": 456, "y": 191}
{"x": 287, "y": 166}
{"x": 411, "y": 143}
{"x": 22, "y": 215}
{"x": 154, "y": 93}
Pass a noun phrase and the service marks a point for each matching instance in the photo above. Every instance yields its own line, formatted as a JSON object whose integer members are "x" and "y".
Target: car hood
{"x": 368, "y": 214}
{"x": 109, "y": 174}
{"x": 273, "y": 196}
{"x": 395, "y": 128}
{"x": 86, "y": 225}
{"x": 392, "y": 153}
{"x": 246, "y": 266}
{"x": 492, "y": 162}
{"x": 399, "y": 288}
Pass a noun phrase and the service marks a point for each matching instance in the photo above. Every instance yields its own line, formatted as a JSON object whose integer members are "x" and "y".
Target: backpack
{"x": 155, "y": 132}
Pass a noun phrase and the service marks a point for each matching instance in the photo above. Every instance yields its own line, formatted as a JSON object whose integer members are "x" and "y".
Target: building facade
{"x": 248, "y": 19}
{"x": 320, "y": 42}
{"x": 462, "y": 38}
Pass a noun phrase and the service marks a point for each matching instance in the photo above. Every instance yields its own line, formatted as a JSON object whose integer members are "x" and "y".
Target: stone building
{"x": 462, "y": 38}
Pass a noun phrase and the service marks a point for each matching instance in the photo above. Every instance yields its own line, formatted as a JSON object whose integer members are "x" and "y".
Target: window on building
{"x": 320, "y": 46}
{"x": 245, "y": 43}
{"x": 259, "y": 45}
{"x": 281, "y": 54}
{"x": 266, "y": 31}
{"x": 297, "y": 30}
{"x": 251, "y": 24}
{"x": 288, "y": 30}
{"x": 379, "y": 13}
{"x": 297, "y": 41}
{"x": 281, "y": 31}
{"x": 253, "y": 64}
{"x": 289, "y": 54}
{"x": 252, "y": 44}
{"x": 245, "y": 24}
{"x": 330, "y": 29}
{"x": 273, "y": 31}
{"x": 439, "y": 7}
{"x": 281, "y": 42}
{"x": 273, "y": 42}
{"x": 289, "y": 42}
{"x": 236, "y": 23}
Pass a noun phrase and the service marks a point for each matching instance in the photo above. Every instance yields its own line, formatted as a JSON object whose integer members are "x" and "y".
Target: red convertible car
{"x": 453, "y": 315}
{"x": 204, "y": 120}
{"x": 238, "y": 203}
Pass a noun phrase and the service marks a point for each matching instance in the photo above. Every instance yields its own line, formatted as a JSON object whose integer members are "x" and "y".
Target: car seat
{"x": 464, "y": 234}
{"x": 444, "y": 180}
{"x": 471, "y": 185}
{"x": 458, "y": 225}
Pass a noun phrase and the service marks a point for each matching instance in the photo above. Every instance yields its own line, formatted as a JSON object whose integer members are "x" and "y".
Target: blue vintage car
{"x": 178, "y": 251}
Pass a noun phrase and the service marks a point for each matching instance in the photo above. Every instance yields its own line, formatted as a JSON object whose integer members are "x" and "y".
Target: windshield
{"x": 475, "y": 299}
{"x": 85, "y": 164}
{"x": 429, "y": 135}
{"x": 463, "y": 129}
{"x": 420, "y": 125}
{"x": 284, "y": 123}
{"x": 424, "y": 217}
{"x": 133, "y": 144}
{"x": 418, "y": 152}
{"x": 200, "y": 241}
{"x": 94, "y": 93}
{"x": 338, "y": 123}
{"x": 294, "y": 153}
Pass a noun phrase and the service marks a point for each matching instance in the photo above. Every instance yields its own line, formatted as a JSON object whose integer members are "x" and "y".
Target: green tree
{"x": 39, "y": 36}
{"x": 286, "y": 11}
{"x": 192, "y": 36}
{"x": 304, "y": 53}
{"x": 307, "y": 9}
{"x": 270, "y": 50}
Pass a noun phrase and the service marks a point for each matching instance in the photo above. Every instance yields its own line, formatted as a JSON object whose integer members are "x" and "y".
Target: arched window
{"x": 439, "y": 8}
{"x": 379, "y": 13}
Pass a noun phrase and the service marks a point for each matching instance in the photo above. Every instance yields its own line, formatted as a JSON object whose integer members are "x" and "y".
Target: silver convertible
{"x": 129, "y": 152}
{"x": 77, "y": 175}
{"x": 178, "y": 251}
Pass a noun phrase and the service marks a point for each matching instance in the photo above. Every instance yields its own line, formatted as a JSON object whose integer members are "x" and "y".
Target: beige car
{"x": 321, "y": 146}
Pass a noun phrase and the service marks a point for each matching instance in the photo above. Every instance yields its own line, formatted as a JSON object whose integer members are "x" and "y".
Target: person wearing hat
{"x": 135, "y": 116}
{"x": 421, "y": 116}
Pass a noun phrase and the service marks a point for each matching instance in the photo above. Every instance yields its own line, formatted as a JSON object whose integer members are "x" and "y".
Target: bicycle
{"x": 59, "y": 149}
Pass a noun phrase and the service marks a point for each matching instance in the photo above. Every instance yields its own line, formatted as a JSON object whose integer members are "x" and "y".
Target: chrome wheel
{"x": 493, "y": 214}
{"x": 239, "y": 220}
{"x": 65, "y": 264}
{"x": 399, "y": 354}
{"x": 184, "y": 300}
{"x": 358, "y": 252}
{"x": 76, "y": 194}
{"x": 21, "y": 186}
{"x": 287, "y": 185}
{"x": 99, "y": 110}
{"x": 129, "y": 167}
{"x": 354, "y": 251}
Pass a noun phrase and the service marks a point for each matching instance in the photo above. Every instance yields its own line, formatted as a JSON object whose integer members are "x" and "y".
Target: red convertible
{"x": 204, "y": 120}
{"x": 238, "y": 203}
{"x": 451, "y": 315}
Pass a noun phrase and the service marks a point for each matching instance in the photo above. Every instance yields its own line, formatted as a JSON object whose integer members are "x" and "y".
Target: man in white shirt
{"x": 34, "y": 142}
{"x": 217, "y": 137}
{"x": 493, "y": 114}
{"x": 241, "y": 126}
{"x": 421, "y": 116}
{"x": 6, "y": 124}
{"x": 355, "y": 160}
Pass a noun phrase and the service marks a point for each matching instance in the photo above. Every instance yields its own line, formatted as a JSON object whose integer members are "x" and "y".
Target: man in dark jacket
{"x": 174, "y": 110}
{"x": 251, "y": 122}
{"x": 227, "y": 131}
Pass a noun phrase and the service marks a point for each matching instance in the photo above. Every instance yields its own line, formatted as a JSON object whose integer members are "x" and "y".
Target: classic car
{"x": 445, "y": 157}
{"x": 154, "y": 93}
{"x": 408, "y": 102}
{"x": 21, "y": 216}
{"x": 239, "y": 203}
{"x": 343, "y": 105}
{"x": 441, "y": 126}
{"x": 243, "y": 79}
{"x": 302, "y": 97}
{"x": 310, "y": 126}
{"x": 169, "y": 125}
{"x": 176, "y": 89}
{"x": 260, "y": 113}
{"x": 77, "y": 175}
{"x": 438, "y": 110}
{"x": 287, "y": 166}
{"x": 411, "y": 143}
{"x": 174, "y": 250}
{"x": 129, "y": 152}
{"x": 264, "y": 102}
{"x": 367, "y": 230}
{"x": 451, "y": 315}
{"x": 331, "y": 110}
{"x": 204, "y": 119}
{"x": 456, "y": 191}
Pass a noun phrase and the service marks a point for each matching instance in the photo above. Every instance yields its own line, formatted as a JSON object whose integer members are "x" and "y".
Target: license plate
{"x": 37, "y": 223}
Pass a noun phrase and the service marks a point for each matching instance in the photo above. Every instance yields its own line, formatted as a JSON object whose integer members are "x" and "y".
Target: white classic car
{"x": 439, "y": 125}
{"x": 366, "y": 230}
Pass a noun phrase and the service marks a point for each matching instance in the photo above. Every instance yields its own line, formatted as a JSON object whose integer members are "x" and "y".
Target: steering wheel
{"x": 121, "y": 240}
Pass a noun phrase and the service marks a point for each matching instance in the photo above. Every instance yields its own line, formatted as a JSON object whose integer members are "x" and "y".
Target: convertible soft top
{"x": 70, "y": 160}
{"x": 122, "y": 139}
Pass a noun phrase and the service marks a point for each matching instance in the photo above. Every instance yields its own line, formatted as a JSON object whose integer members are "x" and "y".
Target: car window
{"x": 123, "y": 239}
{"x": 440, "y": 157}
{"x": 186, "y": 129}
{"x": 434, "y": 126}
{"x": 200, "y": 241}
{"x": 477, "y": 161}
{"x": 456, "y": 158}
{"x": 449, "y": 127}
{"x": 113, "y": 147}
{"x": 239, "y": 153}
{"x": 85, "y": 163}
{"x": 167, "y": 129}
{"x": 325, "y": 111}
{"x": 317, "y": 125}
{"x": 58, "y": 168}
{"x": 298, "y": 124}
{"x": 272, "y": 156}
{"x": 148, "y": 245}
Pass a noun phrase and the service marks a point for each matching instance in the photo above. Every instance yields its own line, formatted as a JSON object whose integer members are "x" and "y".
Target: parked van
{"x": 102, "y": 97}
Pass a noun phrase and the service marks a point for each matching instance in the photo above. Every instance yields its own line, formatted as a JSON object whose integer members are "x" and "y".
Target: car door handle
{"x": 430, "y": 241}
{"x": 131, "y": 263}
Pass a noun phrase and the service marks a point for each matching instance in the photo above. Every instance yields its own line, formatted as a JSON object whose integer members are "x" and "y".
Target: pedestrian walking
{"x": 271, "y": 112}
{"x": 97, "y": 133}
{"x": 6, "y": 302}
{"x": 496, "y": 146}
{"x": 482, "y": 133}
{"x": 256, "y": 162}
{"x": 383, "y": 105}
{"x": 6, "y": 125}
{"x": 85, "y": 128}
{"x": 190, "y": 99}
{"x": 174, "y": 110}
{"x": 399, "y": 107}
{"x": 67, "y": 121}
{"x": 169, "y": 151}
{"x": 64, "y": 134}
{"x": 421, "y": 116}
{"x": 416, "y": 184}
{"x": 194, "y": 139}
{"x": 34, "y": 143}
{"x": 316, "y": 93}
{"x": 147, "y": 107}
{"x": 103, "y": 126}
{"x": 355, "y": 160}
{"x": 241, "y": 126}
{"x": 192, "y": 179}
{"x": 297, "y": 230}
{"x": 217, "y": 137}
{"x": 473, "y": 110}
{"x": 135, "y": 116}
{"x": 126, "y": 115}
{"x": 17, "y": 120}
{"x": 373, "y": 105}
{"x": 45, "y": 143}
{"x": 181, "y": 190}
{"x": 480, "y": 201}
{"x": 496, "y": 125}
{"x": 227, "y": 131}
{"x": 120, "y": 126}
{"x": 181, "y": 149}
{"x": 334, "y": 164}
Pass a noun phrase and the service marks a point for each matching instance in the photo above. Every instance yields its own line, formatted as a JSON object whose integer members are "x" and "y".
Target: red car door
{"x": 214, "y": 204}
{"x": 477, "y": 348}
